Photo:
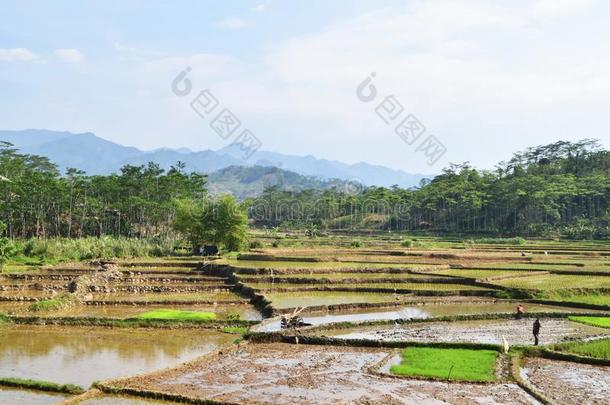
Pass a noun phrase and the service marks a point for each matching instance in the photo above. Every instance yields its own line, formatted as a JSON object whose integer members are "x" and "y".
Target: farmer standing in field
{"x": 520, "y": 311}
{"x": 536, "y": 331}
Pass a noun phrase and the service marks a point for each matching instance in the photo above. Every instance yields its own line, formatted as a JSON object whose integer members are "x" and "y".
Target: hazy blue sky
{"x": 485, "y": 77}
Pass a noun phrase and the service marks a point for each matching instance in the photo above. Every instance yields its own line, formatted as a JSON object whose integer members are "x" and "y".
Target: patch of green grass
{"x": 556, "y": 281}
{"x": 235, "y": 330}
{"x": 4, "y": 319}
{"x": 601, "y": 321}
{"x": 41, "y": 385}
{"x": 452, "y": 364}
{"x": 590, "y": 297}
{"x": 175, "y": 315}
{"x": 599, "y": 349}
{"x": 53, "y": 304}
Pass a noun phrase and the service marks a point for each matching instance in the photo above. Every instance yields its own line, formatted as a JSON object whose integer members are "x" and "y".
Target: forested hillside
{"x": 557, "y": 189}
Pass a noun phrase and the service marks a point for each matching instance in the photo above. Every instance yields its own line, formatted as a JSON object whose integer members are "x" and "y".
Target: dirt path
{"x": 303, "y": 374}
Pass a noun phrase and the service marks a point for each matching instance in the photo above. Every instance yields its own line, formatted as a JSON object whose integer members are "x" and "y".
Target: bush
{"x": 276, "y": 243}
{"x": 406, "y": 243}
{"x": 355, "y": 244}
{"x": 502, "y": 241}
{"x": 63, "y": 249}
{"x": 256, "y": 244}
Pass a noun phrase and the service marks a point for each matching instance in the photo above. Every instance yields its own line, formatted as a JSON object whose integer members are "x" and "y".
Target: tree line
{"x": 560, "y": 189}
{"x": 37, "y": 201}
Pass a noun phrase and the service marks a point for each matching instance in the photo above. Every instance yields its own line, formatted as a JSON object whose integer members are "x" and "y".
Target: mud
{"x": 567, "y": 382}
{"x": 514, "y": 331}
{"x": 298, "y": 374}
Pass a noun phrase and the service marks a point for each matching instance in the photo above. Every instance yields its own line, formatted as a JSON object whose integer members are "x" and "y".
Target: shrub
{"x": 355, "y": 244}
{"x": 256, "y": 244}
{"x": 406, "y": 243}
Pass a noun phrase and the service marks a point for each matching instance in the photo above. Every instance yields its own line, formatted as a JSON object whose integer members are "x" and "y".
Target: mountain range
{"x": 95, "y": 155}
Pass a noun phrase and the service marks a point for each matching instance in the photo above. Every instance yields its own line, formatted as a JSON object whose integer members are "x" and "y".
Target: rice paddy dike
{"x": 385, "y": 324}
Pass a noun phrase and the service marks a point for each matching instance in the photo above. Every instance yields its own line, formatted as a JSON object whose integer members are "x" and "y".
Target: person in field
{"x": 520, "y": 311}
{"x": 536, "y": 331}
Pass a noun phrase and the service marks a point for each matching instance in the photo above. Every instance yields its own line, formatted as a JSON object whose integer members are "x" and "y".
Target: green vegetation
{"x": 39, "y": 202}
{"x": 561, "y": 189}
{"x": 500, "y": 241}
{"x": 4, "y": 319}
{"x": 452, "y": 364}
{"x": 175, "y": 315}
{"x": 591, "y": 297}
{"x": 556, "y": 282}
{"x": 601, "y": 321}
{"x": 53, "y": 304}
{"x": 41, "y": 385}
{"x": 7, "y": 247}
{"x": 599, "y": 349}
{"x": 220, "y": 221}
{"x": 235, "y": 330}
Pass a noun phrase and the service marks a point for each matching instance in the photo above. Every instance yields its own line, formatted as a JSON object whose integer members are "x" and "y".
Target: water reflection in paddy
{"x": 81, "y": 355}
{"x": 19, "y": 396}
{"x": 417, "y": 311}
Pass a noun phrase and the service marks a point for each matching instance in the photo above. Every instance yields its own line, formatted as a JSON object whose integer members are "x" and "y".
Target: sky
{"x": 484, "y": 78}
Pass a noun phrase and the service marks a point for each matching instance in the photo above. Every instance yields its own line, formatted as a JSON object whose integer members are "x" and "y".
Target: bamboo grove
{"x": 561, "y": 189}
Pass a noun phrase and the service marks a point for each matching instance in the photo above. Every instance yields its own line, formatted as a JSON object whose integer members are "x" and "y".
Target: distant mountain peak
{"x": 96, "y": 155}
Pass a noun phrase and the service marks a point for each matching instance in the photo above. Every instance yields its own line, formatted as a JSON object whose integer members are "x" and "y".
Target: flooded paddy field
{"x": 305, "y": 374}
{"x": 81, "y": 355}
{"x": 418, "y": 310}
{"x": 516, "y": 332}
{"x": 21, "y": 396}
{"x": 567, "y": 382}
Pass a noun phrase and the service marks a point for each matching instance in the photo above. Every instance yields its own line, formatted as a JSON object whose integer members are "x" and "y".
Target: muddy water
{"x": 18, "y": 396}
{"x": 421, "y": 311}
{"x": 79, "y": 355}
{"x": 244, "y": 311}
{"x": 569, "y": 383}
{"x": 515, "y": 332}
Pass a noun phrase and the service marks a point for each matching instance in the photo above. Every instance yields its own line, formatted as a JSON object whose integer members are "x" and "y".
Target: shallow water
{"x": 19, "y": 396}
{"x": 421, "y": 311}
{"x": 80, "y": 355}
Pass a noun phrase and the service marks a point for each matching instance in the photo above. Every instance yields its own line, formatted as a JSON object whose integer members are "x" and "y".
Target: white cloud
{"x": 232, "y": 23}
{"x": 69, "y": 55}
{"x": 17, "y": 54}
{"x": 259, "y": 7}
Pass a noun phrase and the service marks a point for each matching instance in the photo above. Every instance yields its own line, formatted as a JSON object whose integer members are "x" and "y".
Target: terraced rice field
{"x": 382, "y": 296}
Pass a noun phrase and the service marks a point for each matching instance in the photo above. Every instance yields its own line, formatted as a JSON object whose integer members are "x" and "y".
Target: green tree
{"x": 221, "y": 221}
{"x": 7, "y": 248}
